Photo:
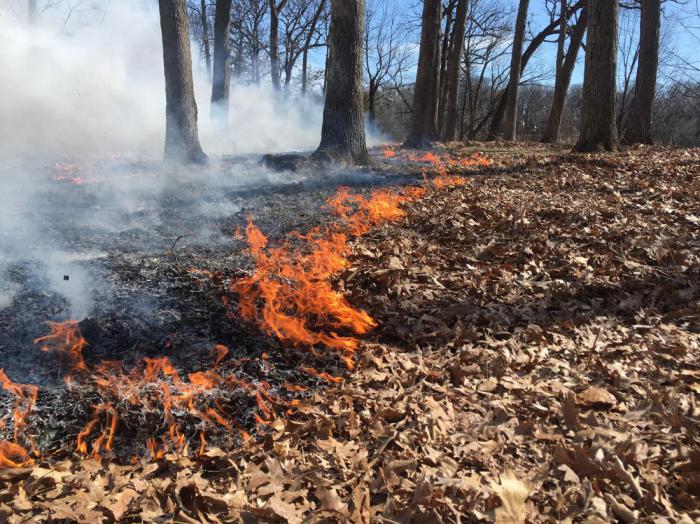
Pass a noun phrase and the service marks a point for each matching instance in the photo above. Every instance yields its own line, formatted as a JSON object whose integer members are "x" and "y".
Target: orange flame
{"x": 67, "y": 341}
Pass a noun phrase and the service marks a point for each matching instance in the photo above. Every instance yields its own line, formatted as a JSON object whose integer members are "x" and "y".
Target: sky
{"x": 681, "y": 23}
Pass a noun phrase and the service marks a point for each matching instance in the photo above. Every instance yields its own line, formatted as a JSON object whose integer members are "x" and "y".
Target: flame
{"x": 67, "y": 341}
{"x": 389, "y": 153}
{"x": 12, "y": 454}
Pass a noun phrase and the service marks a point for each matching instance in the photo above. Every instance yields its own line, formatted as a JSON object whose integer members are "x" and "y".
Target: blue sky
{"x": 680, "y": 38}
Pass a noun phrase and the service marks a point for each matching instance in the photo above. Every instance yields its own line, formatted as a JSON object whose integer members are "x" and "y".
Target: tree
{"x": 639, "y": 123}
{"x": 453, "y": 70}
{"x": 425, "y": 98}
{"x": 222, "y": 59}
{"x": 343, "y": 131}
{"x": 275, "y": 9}
{"x": 204, "y": 19}
{"x": 387, "y": 53}
{"x": 534, "y": 44}
{"x": 510, "y": 117}
{"x": 308, "y": 44}
{"x": 181, "y": 136}
{"x": 599, "y": 121}
{"x": 561, "y": 85}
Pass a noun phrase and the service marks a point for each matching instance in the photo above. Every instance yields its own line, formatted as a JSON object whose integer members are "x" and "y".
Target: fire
{"x": 155, "y": 386}
{"x": 290, "y": 294}
{"x": 389, "y": 153}
{"x": 12, "y": 454}
{"x": 67, "y": 341}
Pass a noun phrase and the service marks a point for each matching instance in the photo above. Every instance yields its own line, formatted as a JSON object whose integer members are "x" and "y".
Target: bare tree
{"x": 312, "y": 33}
{"x": 181, "y": 135}
{"x": 563, "y": 79}
{"x": 222, "y": 60}
{"x": 425, "y": 98}
{"x": 275, "y": 9}
{"x": 205, "y": 34}
{"x": 453, "y": 70}
{"x": 300, "y": 23}
{"x": 387, "y": 53}
{"x": 343, "y": 131}
{"x": 510, "y": 118}
{"x": 639, "y": 125}
{"x": 599, "y": 124}
{"x": 534, "y": 44}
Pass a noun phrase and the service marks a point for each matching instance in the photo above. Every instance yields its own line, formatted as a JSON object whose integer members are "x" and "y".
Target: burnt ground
{"x": 536, "y": 360}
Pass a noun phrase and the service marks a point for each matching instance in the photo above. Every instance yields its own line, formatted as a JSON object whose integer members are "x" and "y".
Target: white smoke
{"x": 98, "y": 89}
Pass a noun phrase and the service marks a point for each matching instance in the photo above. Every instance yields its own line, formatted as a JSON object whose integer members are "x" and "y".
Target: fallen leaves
{"x": 536, "y": 361}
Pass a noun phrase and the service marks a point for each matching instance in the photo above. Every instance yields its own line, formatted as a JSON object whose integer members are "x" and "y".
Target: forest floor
{"x": 536, "y": 359}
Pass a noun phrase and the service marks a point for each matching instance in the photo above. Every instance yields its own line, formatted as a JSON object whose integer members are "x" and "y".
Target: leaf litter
{"x": 535, "y": 360}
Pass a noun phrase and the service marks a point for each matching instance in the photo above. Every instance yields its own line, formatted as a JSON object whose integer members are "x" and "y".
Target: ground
{"x": 535, "y": 359}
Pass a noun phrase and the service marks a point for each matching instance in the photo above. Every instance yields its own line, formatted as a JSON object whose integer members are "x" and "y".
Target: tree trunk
{"x": 205, "y": 34}
{"x": 343, "y": 131}
{"x": 561, "y": 42}
{"x": 561, "y": 87}
{"x": 445, "y": 47}
{"x": 32, "y": 13}
{"x": 599, "y": 119}
{"x": 181, "y": 136}
{"x": 275, "y": 9}
{"x": 222, "y": 60}
{"x": 453, "y": 69}
{"x": 372, "y": 102}
{"x": 510, "y": 122}
{"x": 425, "y": 97}
{"x": 639, "y": 123}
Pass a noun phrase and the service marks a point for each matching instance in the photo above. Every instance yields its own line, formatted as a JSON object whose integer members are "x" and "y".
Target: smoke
{"x": 82, "y": 102}
{"x": 98, "y": 89}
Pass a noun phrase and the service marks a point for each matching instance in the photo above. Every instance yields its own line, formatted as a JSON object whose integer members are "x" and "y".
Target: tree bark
{"x": 599, "y": 119}
{"x": 561, "y": 86}
{"x": 222, "y": 60}
{"x": 453, "y": 69}
{"x": 343, "y": 131}
{"x": 561, "y": 42}
{"x": 425, "y": 98}
{"x": 510, "y": 122}
{"x": 181, "y": 135}
{"x": 275, "y": 9}
{"x": 641, "y": 111}
{"x": 205, "y": 34}
{"x": 447, "y": 36}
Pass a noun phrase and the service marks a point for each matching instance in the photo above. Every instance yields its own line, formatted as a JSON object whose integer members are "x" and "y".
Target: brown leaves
{"x": 596, "y": 397}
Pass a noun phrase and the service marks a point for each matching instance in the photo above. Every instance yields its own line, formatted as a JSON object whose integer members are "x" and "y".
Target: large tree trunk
{"x": 181, "y": 136}
{"x": 425, "y": 98}
{"x": 343, "y": 131}
{"x": 32, "y": 12}
{"x": 510, "y": 122}
{"x": 453, "y": 69}
{"x": 275, "y": 9}
{"x": 205, "y": 34}
{"x": 599, "y": 120}
{"x": 222, "y": 60}
{"x": 561, "y": 86}
{"x": 639, "y": 123}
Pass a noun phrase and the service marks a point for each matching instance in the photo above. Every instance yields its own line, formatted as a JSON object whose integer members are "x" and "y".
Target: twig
{"x": 172, "y": 249}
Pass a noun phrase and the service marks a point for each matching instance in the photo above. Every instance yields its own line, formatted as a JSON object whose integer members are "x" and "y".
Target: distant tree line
{"x": 474, "y": 74}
